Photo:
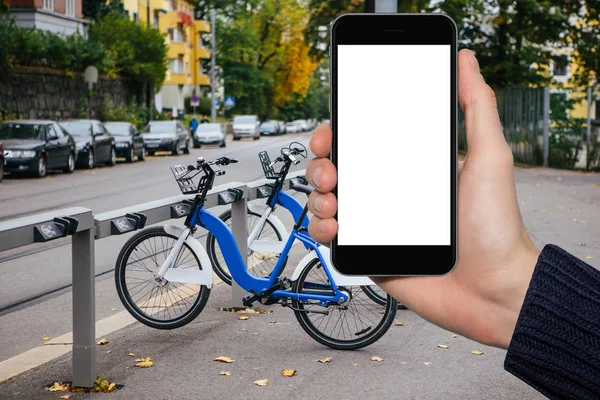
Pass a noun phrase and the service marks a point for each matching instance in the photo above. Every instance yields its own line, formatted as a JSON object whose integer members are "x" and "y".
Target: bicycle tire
{"x": 123, "y": 288}
{"x": 377, "y": 296}
{"x": 372, "y": 333}
{"x": 216, "y": 257}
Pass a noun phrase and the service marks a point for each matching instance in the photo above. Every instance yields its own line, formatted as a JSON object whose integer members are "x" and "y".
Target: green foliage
{"x": 566, "y": 134}
{"x": 96, "y": 9}
{"x": 203, "y": 108}
{"x": 132, "y": 112}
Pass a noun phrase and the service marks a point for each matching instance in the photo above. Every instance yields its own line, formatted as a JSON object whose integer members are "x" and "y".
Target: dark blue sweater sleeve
{"x": 555, "y": 347}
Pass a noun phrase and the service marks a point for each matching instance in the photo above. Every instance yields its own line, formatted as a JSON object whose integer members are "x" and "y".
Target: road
{"x": 31, "y": 271}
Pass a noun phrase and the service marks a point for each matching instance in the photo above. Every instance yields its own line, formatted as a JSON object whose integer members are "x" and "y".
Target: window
{"x": 49, "y": 5}
{"x": 135, "y": 17}
{"x": 597, "y": 109}
{"x": 172, "y": 5}
{"x": 58, "y": 131}
{"x": 176, "y": 35}
{"x": 70, "y": 8}
{"x": 176, "y": 65}
{"x": 50, "y": 133}
{"x": 561, "y": 64}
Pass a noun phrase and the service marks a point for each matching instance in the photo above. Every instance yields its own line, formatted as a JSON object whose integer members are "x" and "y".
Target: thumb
{"x": 478, "y": 102}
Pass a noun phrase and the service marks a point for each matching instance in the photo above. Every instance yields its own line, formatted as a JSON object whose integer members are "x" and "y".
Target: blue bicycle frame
{"x": 256, "y": 285}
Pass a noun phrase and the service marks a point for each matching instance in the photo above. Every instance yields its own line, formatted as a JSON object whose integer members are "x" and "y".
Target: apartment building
{"x": 57, "y": 16}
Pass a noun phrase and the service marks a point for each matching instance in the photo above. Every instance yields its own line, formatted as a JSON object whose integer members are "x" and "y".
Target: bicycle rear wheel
{"x": 354, "y": 325}
{"x": 379, "y": 296}
{"x": 158, "y": 304}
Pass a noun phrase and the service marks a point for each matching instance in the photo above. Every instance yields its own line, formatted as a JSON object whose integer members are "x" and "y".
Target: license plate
{"x": 152, "y": 145}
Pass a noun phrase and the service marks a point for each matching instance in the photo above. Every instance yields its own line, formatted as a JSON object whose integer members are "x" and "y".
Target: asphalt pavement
{"x": 559, "y": 207}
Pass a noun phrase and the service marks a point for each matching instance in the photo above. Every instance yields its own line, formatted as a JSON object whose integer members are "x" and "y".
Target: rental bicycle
{"x": 267, "y": 234}
{"x": 163, "y": 275}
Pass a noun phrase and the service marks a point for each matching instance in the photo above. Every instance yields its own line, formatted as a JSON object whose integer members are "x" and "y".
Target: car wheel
{"x": 223, "y": 144}
{"x": 236, "y": 138}
{"x": 41, "y": 168}
{"x": 196, "y": 145}
{"x": 70, "y": 164}
{"x": 113, "y": 157}
{"x": 131, "y": 156}
{"x": 1, "y": 171}
{"x": 256, "y": 137}
{"x": 142, "y": 155}
{"x": 176, "y": 150}
{"x": 150, "y": 153}
{"x": 186, "y": 149}
{"x": 91, "y": 162}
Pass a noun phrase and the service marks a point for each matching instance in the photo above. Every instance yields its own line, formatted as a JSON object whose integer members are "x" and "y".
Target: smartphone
{"x": 393, "y": 112}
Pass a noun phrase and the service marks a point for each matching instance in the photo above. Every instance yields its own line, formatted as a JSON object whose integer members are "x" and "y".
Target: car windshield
{"x": 118, "y": 129}
{"x": 244, "y": 120}
{"x": 160, "y": 127}
{"x": 77, "y": 128}
{"x": 268, "y": 125}
{"x": 208, "y": 128}
{"x": 21, "y": 131}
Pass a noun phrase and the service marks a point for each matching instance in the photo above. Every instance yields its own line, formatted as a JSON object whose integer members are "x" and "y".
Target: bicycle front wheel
{"x": 356, "y": 324}
{"x": 379, "y": 296}
{"x": 156, "y": 303}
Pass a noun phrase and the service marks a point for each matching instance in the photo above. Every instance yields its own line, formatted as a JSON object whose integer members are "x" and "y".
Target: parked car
{"x": 35, "y": 146}
{"x": 270, "y": 128}
{"x": 2, "y": 161}
{"x": 291, "y": 127}
{"x": 166, "y": 136}
{"x": 302, "y": 125}
{"x": 282, "y": 127}
{"x": 94, "y": 144}
{"x": 128, "y": 140}
{"x": 209, "y": 133}
{"x": 246, "y": 126}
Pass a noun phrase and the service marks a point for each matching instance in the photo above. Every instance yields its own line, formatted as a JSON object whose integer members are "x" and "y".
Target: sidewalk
{"x": 558, "y": 207}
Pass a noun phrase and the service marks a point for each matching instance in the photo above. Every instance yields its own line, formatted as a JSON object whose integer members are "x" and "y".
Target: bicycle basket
{"x": 187, "y": 180}
{"x": 265, "y": 161}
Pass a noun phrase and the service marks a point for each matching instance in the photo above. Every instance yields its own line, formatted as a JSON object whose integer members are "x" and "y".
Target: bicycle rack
{"x": 130, "y": 222}
{"x": 57, "y": 228}
{"x": 265, "y": 191}
{"x": 298, "y": 180}
{"x": 230, "y": 196}
{"x": 182, "y": 209}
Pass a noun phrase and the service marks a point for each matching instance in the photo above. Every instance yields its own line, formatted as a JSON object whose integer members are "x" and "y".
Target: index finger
{"x": 320, "y": 141}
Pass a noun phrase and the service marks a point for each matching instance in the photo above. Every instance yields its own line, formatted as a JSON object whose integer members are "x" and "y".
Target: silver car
{"x": 209, "y": 133}
{"x": 166, "y": 136}
{"x": 246, "y": 126}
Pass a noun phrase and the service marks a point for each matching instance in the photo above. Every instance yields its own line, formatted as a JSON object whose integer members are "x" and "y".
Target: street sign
{"x": 217, "y": 103}
{"x": 229, "y": 101}
{"x": 195, "y": 101}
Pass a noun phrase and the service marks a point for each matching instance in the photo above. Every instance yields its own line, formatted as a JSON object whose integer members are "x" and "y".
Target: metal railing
{"x": 85, "y": 228}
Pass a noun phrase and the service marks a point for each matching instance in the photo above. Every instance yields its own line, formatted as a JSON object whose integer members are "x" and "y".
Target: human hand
{"x": 482, "y": 296}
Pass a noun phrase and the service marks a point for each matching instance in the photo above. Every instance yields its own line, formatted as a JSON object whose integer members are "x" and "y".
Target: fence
{"x": 85, "y": 228}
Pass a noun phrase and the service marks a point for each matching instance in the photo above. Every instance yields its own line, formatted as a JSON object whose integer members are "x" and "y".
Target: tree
{"x": 95, "y": 9}
{"x": 585, "y": 37}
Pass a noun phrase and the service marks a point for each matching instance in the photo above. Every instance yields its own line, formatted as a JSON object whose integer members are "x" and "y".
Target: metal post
{"x": 240, "y": 233}
{"x": 546, "y": 131}
{"x": 588, "y": 131}
{"x": 386, "y": 6}
{"x": 213, "y": 81}
{"x": 84, "y": 309}
{"x": 148, "y": 87}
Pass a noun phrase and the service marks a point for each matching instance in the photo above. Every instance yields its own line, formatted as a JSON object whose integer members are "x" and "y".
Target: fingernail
{"x": 474, "y": 62}
{"x": 316, "y": 177}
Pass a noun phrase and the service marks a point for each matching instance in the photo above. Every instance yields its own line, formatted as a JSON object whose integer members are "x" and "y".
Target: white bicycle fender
{"x": 202, "y": 276}
{"x": 338, "y": 278}
{"x": 266, "y": 246}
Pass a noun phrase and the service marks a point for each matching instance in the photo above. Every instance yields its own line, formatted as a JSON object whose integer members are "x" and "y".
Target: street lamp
{"x": 91, "y": 77}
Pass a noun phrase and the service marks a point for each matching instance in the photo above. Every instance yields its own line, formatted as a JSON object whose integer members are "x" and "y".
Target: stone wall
{"x": 43, "y": 93}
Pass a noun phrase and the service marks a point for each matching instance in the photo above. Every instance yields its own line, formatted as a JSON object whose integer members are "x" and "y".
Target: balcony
{"x": 176, "y": 50}
{"x": 201, "y": 52}
{"x": 176, "y": 79}
{"x": 201, "y": 26}
{"x": 202, "y": 80}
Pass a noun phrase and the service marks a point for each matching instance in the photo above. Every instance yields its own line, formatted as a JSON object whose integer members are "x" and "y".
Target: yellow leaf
{"x": 375, "y": 358}
{"x": 399, "y": 323}
{"x": 442, "y": 346}
{"x": 112, "y": 387}
{"x": 261, "y": 382}
{"x": 102, "y": 342}
{"x": 454, "y": 336}
{"x": 427, "y": 363}
{"x": 226, "y": 373}
{"x": 66, "y": 396}
{"x": 113, "y": 309}
{"x": 272, "y": 322}
{"x": 58, "y": 387}
{"x": 477, "y": 352}
{"x": 590, "y": 257}
{"x": 131, "y": 355}
{"x": 244, "y": 318}
{"x": 288, "y": 372}
{"x": 143, "y": 359}
{"x": 355, "y": 365}
{"x": 45, "y": 338}
{"x": 224, "y": 359}
{"x": 144, "y": 364}
{"x": 325, "y": 360}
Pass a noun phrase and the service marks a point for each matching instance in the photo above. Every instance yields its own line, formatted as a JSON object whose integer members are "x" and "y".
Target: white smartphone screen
{"x": 394, "y": 145}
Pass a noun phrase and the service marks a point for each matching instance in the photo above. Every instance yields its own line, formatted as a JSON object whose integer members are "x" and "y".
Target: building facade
{"x": 185, "y": 75}
{"x": 57, "y": 16}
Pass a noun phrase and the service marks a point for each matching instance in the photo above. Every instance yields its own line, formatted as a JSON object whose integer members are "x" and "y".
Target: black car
{"x": 128, "y": 140}
{"x": 36, "y": 146}
{"x": 94, "y": 144}
{"x": 2, "y": 161}
{"x": 166, "y": 136}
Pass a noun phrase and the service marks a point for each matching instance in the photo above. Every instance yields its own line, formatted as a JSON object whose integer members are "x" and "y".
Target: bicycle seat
{"x": 306, "y": 189}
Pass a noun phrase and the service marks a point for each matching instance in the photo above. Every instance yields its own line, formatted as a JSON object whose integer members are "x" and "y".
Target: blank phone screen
{"x": 394, "y": 132}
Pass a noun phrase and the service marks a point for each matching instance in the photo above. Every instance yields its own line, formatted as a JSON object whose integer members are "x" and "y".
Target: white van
{"x": 246, "y": 126}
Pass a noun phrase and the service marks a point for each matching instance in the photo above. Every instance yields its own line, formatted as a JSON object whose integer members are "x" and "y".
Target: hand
{"x": 482, "y": 296}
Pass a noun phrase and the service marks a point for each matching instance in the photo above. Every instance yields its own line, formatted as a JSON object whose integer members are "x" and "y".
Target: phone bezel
{"x": 396, "y": 29}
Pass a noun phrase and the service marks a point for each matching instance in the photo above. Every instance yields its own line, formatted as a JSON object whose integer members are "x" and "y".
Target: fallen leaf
{"x": 58, "y": 387}
{"x": 113, "y": 309}
{"x": 102, "y": 342}
{"x": 581, "y": 244}
{"x": 261, "y": 382}
{"x": 226, "y": 373}
{"x": 272, "y": 322}
{"x": 477, "y": 352}
{"x": 108, "y": 351}
{"x": 131, "y": 355}
{"x": 590, "y": 257}
{"x": 454, "y": 336}
{"x": 45, "y": 338}
{"x": 375, "y": 358}
{"x": 112, "y": 387}
{"x": 288, "y": 372}
{"x": 355, "y": 365}
{"x": 244, "y": 318}
{"x": 381, "y": 312}
{"x": 427, "y": 363}
{"x": 224, "y": 359}
{"x": 442, "y": 346}
{"x": 325, "y": 360}
{"x": 144, "y": 362}
{"x": 66, "y": 396}
{"x": 399, "y": 323}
